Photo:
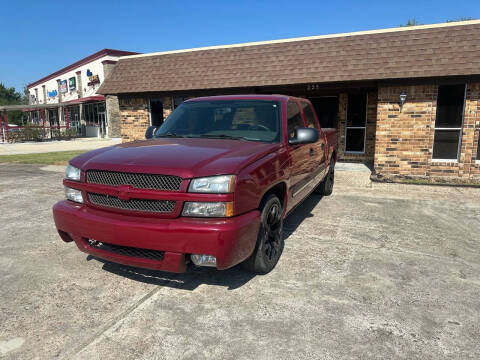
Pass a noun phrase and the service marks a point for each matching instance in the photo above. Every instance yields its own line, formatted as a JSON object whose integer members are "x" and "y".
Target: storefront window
{"x": 73, "y": 117}
{"x": 36, "y": 118}
{"x": 95, "y": 116}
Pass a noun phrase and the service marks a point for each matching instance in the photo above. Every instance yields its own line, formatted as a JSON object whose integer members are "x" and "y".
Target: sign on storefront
{"x": 63, "y": 86}
{"x": 52, "y": 93}
{"x": 94, "y": 79}
{"x": 72, "y": 83}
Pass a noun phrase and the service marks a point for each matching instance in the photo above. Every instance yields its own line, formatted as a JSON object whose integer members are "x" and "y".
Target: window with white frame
{"x": 356, "y": 123}
{"x": 448, "y": 122}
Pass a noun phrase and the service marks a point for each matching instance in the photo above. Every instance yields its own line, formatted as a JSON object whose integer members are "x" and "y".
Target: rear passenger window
{"x": 294, "y": 119}
{"x": 309, "y": 117}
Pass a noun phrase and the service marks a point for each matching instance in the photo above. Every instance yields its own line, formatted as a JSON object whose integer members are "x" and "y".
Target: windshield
{"x": 255, "y": 120}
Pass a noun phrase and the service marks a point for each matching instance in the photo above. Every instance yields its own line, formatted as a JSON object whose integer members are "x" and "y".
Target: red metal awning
{"x": 85, "y": 99}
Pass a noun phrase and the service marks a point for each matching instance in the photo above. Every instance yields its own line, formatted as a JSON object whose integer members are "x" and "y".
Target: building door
{"x": 156, "y": 112}
{"x": 355, "y": 130}
{"x": 326, "y": 108}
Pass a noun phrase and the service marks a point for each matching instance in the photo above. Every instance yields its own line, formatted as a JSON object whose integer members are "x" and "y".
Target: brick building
{"x": 407, "y": 98}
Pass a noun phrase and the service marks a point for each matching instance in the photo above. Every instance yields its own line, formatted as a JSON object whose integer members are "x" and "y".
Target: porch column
{"x": 79, "y": 84}
{"x": 60, "y": 115}
{"x": 44, "y": 90}
{"x": 5, "y": 119}
{"x": 5, "y": 124}
{"x": 1, "y": 129}
{"x": 67, "y": 117}
{"x": 59, "y": 92}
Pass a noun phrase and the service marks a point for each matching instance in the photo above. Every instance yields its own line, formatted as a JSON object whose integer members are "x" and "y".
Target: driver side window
{"x": 294, "y": 119}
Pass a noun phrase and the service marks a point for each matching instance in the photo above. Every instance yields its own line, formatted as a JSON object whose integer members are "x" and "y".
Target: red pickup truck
{"x": 210, "y": 187}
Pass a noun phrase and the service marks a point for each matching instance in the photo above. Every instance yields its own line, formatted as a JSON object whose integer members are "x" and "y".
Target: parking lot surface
{"x": 375, "y": 271}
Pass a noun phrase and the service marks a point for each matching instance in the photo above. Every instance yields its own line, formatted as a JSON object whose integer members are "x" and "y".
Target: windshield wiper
{"x": 222, "y": 136}
{"x": 170, "y": 134}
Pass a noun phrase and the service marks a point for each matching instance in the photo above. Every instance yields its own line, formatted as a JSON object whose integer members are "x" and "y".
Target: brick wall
{"x": 134, "y": 116}
{"x": 404, "y": 138}
{"x": 368, "y": 155}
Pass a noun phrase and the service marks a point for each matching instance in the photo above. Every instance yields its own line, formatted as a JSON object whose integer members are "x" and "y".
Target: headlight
{"x": 208, "y": 209}
{"x": 72, "y": 173}
{"x": 73, "y": 195}
{"x": 213, "y": 184}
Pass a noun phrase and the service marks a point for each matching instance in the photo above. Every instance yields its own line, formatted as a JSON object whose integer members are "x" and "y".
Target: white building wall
{"x": 51, "y": 85}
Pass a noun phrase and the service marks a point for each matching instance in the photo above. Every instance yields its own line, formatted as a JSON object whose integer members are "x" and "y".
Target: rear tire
{"x": 325, "y": 188}
{"x": 270, "y": 241}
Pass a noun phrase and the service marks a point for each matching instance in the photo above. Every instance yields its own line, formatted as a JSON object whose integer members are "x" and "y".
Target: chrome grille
{"x": 144, "y": 205}
{"x": 127, "y": 250}
{"x": 141, "y": 181}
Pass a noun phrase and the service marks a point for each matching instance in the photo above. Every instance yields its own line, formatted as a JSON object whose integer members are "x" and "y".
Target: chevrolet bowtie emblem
{"x": 124, "y": 192}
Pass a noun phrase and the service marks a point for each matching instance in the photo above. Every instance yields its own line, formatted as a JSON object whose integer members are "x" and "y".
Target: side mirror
{"x": 304, "y": 136}
{"x": 150, "y": 132}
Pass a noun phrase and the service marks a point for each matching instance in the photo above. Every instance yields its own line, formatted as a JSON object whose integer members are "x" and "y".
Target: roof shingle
{"x": 408, "y": 53}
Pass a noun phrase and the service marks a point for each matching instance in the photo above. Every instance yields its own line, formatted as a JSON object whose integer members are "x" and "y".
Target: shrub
{"x": 26, "y": 133}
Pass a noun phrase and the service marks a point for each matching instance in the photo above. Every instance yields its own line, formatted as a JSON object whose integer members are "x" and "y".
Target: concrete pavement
{"x": 381, "y": 271}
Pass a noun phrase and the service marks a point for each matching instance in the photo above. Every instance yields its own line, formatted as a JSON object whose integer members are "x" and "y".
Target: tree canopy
{"x": 9, "y": 96}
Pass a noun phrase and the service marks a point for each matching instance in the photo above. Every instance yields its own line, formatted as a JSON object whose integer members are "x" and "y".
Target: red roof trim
{"x": 81, "y": 62}
{"x": 85, "y": 99}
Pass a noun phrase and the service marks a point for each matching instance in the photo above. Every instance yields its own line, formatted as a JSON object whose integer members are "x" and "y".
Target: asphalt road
{"x": 372, "y": 272}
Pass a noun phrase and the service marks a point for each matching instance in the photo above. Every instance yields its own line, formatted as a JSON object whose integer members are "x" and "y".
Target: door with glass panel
{"x": 355, "y": 129}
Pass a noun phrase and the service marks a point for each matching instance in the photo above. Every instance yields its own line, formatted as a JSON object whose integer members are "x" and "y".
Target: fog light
{"x": 73, "y": 195}
{"x": 203, "y": 260}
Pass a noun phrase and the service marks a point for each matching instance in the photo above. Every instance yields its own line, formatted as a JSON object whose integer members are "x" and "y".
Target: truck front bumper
{"x": 230, "y": 240}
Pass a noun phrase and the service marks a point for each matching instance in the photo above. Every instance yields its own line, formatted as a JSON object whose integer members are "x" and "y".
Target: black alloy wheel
{"x": 270, "y": 241}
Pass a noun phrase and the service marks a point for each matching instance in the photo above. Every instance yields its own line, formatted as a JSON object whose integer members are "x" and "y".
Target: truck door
{"x": 318, "y": 156}
{"x": 299, "y": 155}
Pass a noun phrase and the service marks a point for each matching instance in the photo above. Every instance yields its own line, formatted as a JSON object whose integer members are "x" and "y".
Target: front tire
{"x": 270, "y": 241}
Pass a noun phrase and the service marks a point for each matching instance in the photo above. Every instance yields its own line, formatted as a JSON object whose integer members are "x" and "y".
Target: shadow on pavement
{"x": 232, "y": 278}
{"x": 300, "y": 213}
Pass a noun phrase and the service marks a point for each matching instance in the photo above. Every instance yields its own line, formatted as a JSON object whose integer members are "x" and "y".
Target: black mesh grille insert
{"x": 145, "y": 205}
{"x": 141, "y": 181}
{"x": 127, "y": 250}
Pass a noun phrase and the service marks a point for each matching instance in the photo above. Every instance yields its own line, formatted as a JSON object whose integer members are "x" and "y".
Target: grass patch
{"x": 49, "y": 158}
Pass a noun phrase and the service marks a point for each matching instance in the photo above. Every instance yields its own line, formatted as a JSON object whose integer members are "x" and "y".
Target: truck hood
{"x": 183, "y": 157}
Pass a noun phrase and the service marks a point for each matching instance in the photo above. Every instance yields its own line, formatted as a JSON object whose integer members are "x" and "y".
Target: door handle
{"x": 312, "y": 152}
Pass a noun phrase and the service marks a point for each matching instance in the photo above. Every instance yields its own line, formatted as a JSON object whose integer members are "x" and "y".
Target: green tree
{"x": 8, "y": 96}
{"x": 411, "y": 22}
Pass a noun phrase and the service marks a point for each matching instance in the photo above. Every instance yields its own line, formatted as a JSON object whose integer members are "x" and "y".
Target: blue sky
{"x": 40, "y": 37}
